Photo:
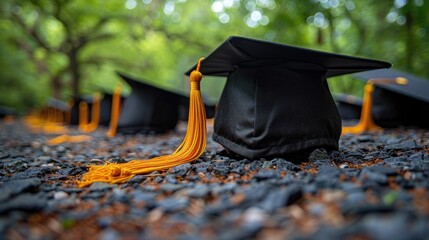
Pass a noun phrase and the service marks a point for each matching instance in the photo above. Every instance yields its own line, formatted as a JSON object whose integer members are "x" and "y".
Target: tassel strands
{"x": 84, "y": 126}
{"x": 192, "y": 147}
{"x": 116, "y": 105}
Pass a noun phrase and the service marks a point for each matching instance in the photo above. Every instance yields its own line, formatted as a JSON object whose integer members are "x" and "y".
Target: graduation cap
{"x": 398, "y": 98}
{"x": 75, "y": 112}
{"x": 349, "y": 106}
{"x": 7, "y": 111}
{"x": 276, "y": 100}
{"x": 151, "y": 109}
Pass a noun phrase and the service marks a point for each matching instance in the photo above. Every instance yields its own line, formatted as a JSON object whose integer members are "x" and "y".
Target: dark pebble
{"x": 101, "y": 187}
{"x": 383, "y": 170}
{"x": 405, "y": 145}
{"x": 170, "y": 188}
{"x": 318, "y": 154}
{"x": 278, "y": 198}
{"x": 281, "y": 164}
{"x": 267, "y": 174}
{"x": 25, "y": 202}
{"x": 199, "y": 191}
{"x": 173, "y": 204}
{"x": 14, "y": 187}
{"x": 181, "y": 170}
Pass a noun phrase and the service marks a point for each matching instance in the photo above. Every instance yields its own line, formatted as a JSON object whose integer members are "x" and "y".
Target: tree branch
{"x": 32, "y": 32}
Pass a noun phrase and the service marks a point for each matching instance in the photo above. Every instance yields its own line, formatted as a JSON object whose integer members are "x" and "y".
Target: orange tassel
{"x": 95, "y": 115}
{"x": 116, "y": 105}
{"x": 192, "y": 147}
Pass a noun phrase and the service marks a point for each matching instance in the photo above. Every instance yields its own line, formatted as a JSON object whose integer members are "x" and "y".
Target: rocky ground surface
{"x": 375, "y": 187}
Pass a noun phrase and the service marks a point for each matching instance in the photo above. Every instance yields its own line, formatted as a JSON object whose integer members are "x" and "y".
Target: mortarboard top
{"x": 349, "y": 106}
{"x": 276, "y": 100}
{"x": 398, "y": 104}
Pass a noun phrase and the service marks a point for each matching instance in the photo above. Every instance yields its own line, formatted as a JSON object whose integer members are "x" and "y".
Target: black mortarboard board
{"x": 276, "y": 100}
{"x": 399, "y": 104}
{"x": 349, "y": 106}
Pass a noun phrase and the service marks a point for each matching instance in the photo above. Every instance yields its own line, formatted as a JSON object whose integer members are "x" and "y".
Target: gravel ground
{"x": 375, "y": 187}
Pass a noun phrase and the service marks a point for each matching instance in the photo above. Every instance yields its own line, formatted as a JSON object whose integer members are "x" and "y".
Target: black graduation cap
{"x": 349, "y": 106}
{"x": 74, "y": 112}
{"x": 276, "y": 100}
{"x": 152, "y": 109}
{"x": 395, "y": 104}
{"x": 7, "y": 111}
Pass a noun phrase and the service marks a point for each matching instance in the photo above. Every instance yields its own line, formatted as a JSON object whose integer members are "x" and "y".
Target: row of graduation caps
{"x": 276, "y": 100}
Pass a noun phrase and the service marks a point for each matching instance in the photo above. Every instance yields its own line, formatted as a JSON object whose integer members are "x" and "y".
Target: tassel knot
{"x": 115, "y": 172}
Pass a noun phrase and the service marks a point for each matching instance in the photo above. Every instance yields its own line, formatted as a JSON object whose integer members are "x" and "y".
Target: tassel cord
{"x": 192, "y": 147}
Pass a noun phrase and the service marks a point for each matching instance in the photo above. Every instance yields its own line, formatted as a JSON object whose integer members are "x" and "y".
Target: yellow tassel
{"x": 114, "y": 115}
{"x": 66, "y": 138}
{"x": 192, "y": 147}
{"x": 95, "y": 115}
{"x": 366, "y": 122}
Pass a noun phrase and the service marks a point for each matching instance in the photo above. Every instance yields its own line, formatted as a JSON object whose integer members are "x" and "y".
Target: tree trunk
{"x": 74, "y": 71}
{"x": 409, "y": 38}
{"x": 56, "y": 87}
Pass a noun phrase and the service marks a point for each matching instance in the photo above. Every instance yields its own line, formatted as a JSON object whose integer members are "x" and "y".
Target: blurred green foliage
{"x": 63, "y": 48}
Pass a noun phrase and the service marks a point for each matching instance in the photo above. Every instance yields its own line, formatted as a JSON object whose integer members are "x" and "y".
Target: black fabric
{"x": 148, "y": 108}
{"x": 7, "y": 111}
{"x": 74, "y": 113}
{"x": 349, "y": 107}
{"x": 106, "y": 108}
{"x": 397, "y": 105}
{"x": 184, "y": 108}
{"x": 271, "y": 111}
{"x": 391, "y": 110}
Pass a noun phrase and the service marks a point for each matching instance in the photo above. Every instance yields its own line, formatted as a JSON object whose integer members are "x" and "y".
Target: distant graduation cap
{"x": 395, "y": 104}
{"x": 150, "y": 108}
{"x": 74, "y": 111}
{"x": 276, "y": 100}
{"x": 349, "y": 106}
{"x": 7, "y": 111}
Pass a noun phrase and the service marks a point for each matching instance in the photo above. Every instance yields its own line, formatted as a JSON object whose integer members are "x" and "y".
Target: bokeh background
{"x": 65, "y": 48}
